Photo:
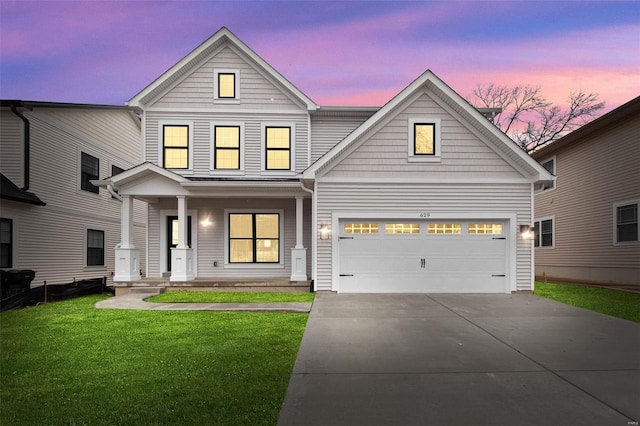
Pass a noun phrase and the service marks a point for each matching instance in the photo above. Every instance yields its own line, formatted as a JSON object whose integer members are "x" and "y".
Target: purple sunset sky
{"x": 338, "y": 53}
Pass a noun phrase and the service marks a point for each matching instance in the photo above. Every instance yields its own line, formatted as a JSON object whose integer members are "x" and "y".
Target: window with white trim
{"x": 95, "y": 247}
{"x": 626, "y": 222}
{"x": 254, "y": 237}
{"x": 6, "y": 243}
{"x": 277, "y": 148}
{"x": 550, "y": 166}
{"x": 89, "y": 170}
{"x": 226, "y": 85}
{"x": 175, "y": 146}
{"x": 424, "y": 140}
{"x": 544, "y": 233}
{"x": 226, "y": 147}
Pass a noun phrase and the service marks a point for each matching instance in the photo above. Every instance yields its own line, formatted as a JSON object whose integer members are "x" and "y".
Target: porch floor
{"x": 162, "y": 284}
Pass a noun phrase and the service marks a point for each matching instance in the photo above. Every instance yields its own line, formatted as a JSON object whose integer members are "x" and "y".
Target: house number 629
{"x": 423, "y": 215}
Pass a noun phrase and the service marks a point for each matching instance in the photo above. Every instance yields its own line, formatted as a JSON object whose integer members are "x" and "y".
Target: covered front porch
{"x": 214, "y": 233}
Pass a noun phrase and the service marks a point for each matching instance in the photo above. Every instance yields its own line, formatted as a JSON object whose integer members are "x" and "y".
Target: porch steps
{"x": 160, "y": 285}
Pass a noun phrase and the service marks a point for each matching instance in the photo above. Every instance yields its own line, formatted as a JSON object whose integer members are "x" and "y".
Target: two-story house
{"x": 248, "y": 178}
{"x": 587, "y": 221}
{"x": 53, "y": 220}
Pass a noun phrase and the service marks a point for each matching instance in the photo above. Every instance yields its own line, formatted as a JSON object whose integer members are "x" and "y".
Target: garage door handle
{"x": 499, "y": 238}
{"x": 498, "y": 275}
{"x": 346, "y": 275}
{"x": 345, "y": 238}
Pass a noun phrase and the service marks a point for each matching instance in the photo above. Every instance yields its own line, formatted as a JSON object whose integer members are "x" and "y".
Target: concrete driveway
{"x": 462, "y": 360}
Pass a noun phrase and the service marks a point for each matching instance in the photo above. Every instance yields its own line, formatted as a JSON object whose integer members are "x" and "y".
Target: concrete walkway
{"x": 462, "y": 360}
{"x": 136, "y": 301}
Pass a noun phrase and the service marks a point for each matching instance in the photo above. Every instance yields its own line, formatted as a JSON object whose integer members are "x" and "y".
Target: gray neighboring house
{"x": 52, "y": 219}
{"x": 587, "y": 221}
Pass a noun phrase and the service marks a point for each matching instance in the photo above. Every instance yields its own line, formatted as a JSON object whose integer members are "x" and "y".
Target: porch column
{"x": 299, "y": 252}
{"x": 127, "y": 256}
{"x": 182, "y": 255}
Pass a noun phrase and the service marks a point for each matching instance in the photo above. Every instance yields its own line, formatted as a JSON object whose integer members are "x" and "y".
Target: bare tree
{"x": 529, "y": 118}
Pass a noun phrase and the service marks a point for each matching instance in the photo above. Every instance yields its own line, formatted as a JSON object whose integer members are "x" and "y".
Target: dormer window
{"x": 423, "y": 144}
{"x": 226, "y": 85}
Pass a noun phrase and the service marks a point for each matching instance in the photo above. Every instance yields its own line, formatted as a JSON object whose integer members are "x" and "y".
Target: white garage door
{"x": 444, "y": 256}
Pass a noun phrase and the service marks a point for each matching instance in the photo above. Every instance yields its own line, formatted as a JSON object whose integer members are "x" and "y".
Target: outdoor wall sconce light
{"x": 526, "y": 232}
{"x": 325, "y": 232}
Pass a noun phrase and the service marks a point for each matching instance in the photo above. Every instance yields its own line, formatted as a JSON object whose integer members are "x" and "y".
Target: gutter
{"x": 27, "y": 146}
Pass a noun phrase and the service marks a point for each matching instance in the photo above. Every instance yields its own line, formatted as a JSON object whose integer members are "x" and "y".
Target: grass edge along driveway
{"x": 615, "y": 303}
{"x": 69, "y": 363}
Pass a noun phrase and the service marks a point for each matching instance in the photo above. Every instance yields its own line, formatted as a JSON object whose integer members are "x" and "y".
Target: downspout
{"x": 27, "y": 146}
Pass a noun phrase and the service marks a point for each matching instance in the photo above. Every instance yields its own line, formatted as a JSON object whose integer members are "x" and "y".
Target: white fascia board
{"x": 142, "y": 170}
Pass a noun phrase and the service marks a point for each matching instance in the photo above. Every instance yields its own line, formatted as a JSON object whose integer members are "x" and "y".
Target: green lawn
{"x": 69, "y": 363}
{"x": 610, "y": 302}
{"x": 177, "y": 296}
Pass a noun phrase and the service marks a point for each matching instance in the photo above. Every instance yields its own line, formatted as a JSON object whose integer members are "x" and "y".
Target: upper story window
{"x": 226, "y": 146}
{"x": 544, "y": 231}
{"x": 550, "y": 166}
{"x": 424, "y": 140}
{"x": 278, "y": 148}
{"x": 89, "y": 170}
{"x": 226, "y": 85}
{"x": 6, "y": 243}
{"x": 175, "y": 146}
{"x": 626, "y": 222}
{"x": 95, "y": 247}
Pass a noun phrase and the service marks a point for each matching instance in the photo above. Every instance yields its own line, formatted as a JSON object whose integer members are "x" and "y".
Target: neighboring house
{"x": 247, "y": 178}
{"x": 587, "y": 221}
{"x": 53, "y": 220}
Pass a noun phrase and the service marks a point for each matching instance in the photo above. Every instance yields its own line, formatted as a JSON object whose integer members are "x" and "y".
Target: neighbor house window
{"x": 543, "y": 230}
{"x": 254, "y": 238}
{"x": 226, "y": 147}
{"x": 424, "y": 140}
{"x": 626, "y": 221}
{"x": 6, "y": 243}
{"x": 278, "y": 148}
{"x": 550, "y": 166}
{"x": 175, "y": 146}
{"x": 115, "y": 170}
{"x": 89, "y": 170}
{"x": 95, "y": 247}
{"x": 225, "y": 85}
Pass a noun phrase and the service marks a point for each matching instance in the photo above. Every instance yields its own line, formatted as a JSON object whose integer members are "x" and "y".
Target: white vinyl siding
{"x": 452, "y": 199}
{"x": 328, "y": 130}
{"x": 463, "y": 154}
{"x": 196, "y": 90}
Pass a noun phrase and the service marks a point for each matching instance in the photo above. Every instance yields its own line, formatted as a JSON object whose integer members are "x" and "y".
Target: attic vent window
{"x": 225, "y": 85}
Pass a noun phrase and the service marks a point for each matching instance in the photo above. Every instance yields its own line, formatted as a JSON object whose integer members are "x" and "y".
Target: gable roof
{"x": 10, "y": 191}
{"x": 501, "y": 143}
{"x": 630, "y": 109}
{"x": 200, "y": 53}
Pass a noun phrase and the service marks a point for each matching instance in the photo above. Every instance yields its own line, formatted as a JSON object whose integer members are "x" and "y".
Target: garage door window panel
{"x": 402, "y": 228}
{"x": 361, "y": 228}
{"x": 485, "y": 229}
{"x": 444, "y": 228}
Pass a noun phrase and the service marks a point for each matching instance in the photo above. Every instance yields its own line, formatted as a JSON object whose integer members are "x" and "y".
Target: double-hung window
{"x": 254, "y": 237}
{"x": 6, "y": 243}
{"x": 424, "y": 140}
{"x": 89, "y": 170}
{"x": 550, "y": 166}
{"x": 543, "y": 230}
{"x": 626, "y": 222}
{"x": 278, "y": 148}
{"x": 226, "y": 144}
{"x": 175, "y": 146}
{"x": 95, "y": 247}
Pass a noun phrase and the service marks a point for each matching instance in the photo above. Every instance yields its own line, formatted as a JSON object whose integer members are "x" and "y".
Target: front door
{"x": 172, "y": 233}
